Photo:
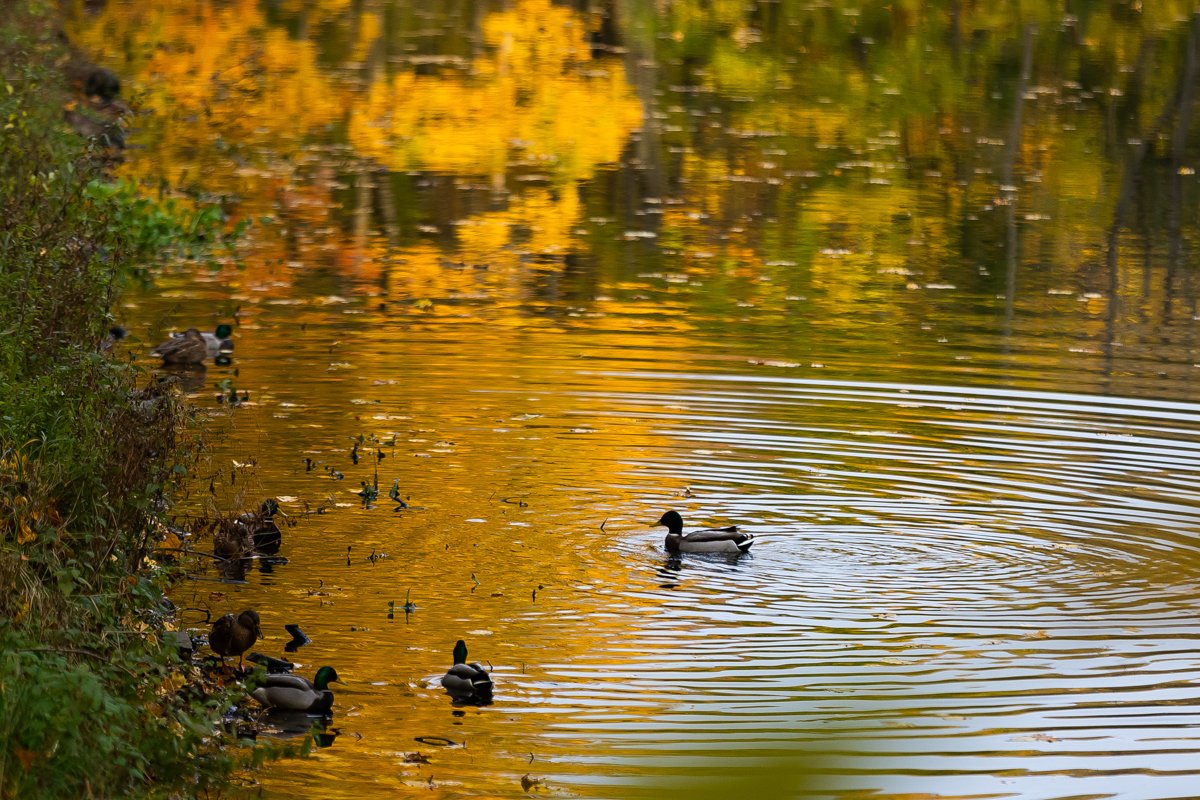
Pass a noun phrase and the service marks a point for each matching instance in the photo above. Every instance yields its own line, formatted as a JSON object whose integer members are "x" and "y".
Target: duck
{"x": 467, "y": 683}
{"x": 260, "y": 527}
{"x": 233, "y": 636}
{"x": 710, "y": 540}
{"x": 115, "y": 334}
{"x": 190, "y": 348}
{"x": 232, "y": 539}
{"x": 297, "y": 693}
{"x": 218, "y": 342}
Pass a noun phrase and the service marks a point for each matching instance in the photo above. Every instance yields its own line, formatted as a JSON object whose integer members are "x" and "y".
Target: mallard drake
{"x": 297, "y": 693}
{"x": 218, "y": 342}
{"x": 233, "y": 636}
{"x": 710, "y": 540}
{"x": 467, "y": 683}
{"x": 190, "y": 348}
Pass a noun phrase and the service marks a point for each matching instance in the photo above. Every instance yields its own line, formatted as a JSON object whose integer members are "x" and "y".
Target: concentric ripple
{"x": 972, "y": 593}
{"x": 955, "y": 591}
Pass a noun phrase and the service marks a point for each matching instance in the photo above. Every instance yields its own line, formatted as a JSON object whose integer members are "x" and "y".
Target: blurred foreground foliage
{"x": 94, "y": 702}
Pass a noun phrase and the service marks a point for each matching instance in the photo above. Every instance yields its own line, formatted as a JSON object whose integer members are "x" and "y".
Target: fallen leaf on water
{"x": 1037, "y": 737}
{"x": 1038, "y": 635}
{"x": 528, "y": 783}
{"x": 415, "y": 758}
{"x": 218, "y": 597}
{"x": 885, "y": 615}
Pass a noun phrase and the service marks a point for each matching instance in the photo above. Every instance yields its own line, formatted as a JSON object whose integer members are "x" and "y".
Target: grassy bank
{"x": 94, "y": 699}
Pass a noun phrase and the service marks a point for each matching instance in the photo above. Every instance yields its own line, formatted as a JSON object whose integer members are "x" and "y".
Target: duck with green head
{"x": 218, "y": 342}
{"x": 709, "y": 540}
{"x": 297, "y": 693}
{"x": 467, "y": 683}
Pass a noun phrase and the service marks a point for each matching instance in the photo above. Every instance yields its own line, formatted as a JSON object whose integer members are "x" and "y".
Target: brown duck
{"x": 187, "y": 349}
{"x": 232, "y": 539}
{"x": 233, "y": 636}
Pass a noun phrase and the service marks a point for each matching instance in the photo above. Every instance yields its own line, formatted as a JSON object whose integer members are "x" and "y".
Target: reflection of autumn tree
{"x": 536, "y": 96}
{"x": 213, "y": 92}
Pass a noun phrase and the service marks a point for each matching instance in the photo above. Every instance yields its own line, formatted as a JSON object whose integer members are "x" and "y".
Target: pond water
{"x": 906, "y": 290}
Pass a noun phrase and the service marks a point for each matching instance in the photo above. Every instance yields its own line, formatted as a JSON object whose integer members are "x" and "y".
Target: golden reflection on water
{"x": 877, "y": 281}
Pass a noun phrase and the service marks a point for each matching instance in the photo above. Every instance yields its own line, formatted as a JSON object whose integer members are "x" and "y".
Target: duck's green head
{"x": 460, "y": 652}
{"x": 672, "y": 520}
{"x": 269, "y": 508}
{"x": 325, "y": 676}
{"x": 224, "y": 331}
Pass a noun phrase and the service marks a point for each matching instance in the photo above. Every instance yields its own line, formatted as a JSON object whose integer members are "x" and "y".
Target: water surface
{"x": 906, "y": 290}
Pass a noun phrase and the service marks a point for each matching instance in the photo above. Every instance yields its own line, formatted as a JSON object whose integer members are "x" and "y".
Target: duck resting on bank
{"x": 190, "y": 348}
{"x": 467, "y": 683}
{"x": 233, "y": 636}
{"x": 297, "y": 693}
{"x": 710, "y": 540}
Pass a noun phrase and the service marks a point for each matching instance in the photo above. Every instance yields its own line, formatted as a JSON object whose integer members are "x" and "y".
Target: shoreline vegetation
{"x": 95, "y": 698}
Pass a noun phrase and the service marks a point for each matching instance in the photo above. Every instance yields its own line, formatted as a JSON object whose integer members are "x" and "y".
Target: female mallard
{"x": 296, "y": 693}
{"x": 232, "y": 539}
{"x": 187, "y": 349}
{"x": 467, "y": 683}
{"x": 232, "y": 636}
{"x": 261, "y": 528}
{"x": 219, "y": 343}
{"x": 711, "y": 540}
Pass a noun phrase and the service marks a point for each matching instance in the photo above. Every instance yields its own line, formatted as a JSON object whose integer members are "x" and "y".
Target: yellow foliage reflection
{"x": 536, "y": 92}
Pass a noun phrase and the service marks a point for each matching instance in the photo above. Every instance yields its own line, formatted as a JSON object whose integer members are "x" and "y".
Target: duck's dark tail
{"x": 744, "y": 546}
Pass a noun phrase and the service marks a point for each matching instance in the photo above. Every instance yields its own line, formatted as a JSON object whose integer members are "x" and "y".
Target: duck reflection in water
{"x": 286, "y": 725}
{"x": 190, "y": 377}
{"x": 669, "y": 572}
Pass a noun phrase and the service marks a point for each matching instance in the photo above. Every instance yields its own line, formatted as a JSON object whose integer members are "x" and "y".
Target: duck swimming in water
{"x": 219, "y": 343}
{"x": 261, "y": 527}
{"x": 710, "y": 540}
{"x": 190, "y": 348}
{"x": 297, "y": 693}
{"x": 467, "y": 683}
